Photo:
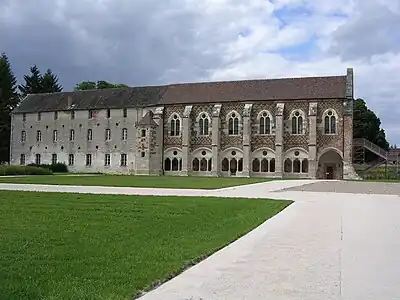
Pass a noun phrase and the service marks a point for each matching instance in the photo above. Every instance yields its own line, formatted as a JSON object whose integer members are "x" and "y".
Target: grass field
{"x": 70, "y": 246}
{"x": 136, "y": 181}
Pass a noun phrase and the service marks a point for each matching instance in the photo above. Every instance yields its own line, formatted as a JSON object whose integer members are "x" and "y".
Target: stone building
{"x": 291, "y": 127}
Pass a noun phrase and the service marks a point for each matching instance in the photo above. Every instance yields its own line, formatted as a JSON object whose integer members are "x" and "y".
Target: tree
{"x": 9, "y": 99}
{"x": 33, "y": 82}
{"x": 367, "y": 125}
{"x": 101, "y": 84}
{"x": 50, "y": 83}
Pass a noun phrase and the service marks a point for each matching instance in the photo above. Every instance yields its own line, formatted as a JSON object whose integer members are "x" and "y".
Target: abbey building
{"x": 291, "y": 127}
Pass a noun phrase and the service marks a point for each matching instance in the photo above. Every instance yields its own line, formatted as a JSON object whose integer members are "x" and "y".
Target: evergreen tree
{"x": 9, "y": 99}
{"x": 33, "y": 82}
{"x": 50, "y": 83}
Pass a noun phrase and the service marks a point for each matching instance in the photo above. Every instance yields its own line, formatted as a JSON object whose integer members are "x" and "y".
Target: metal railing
{"x": 360, "y": 142}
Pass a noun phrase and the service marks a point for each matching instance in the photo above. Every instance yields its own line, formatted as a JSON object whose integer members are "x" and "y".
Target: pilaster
{"x": 215, "y": 137}
{"x": 247, "y": 139}
{"x": 279, "y": 139}
{"x": 157, "y": 158}
{"x": 312, "y": 140}
{"x": 186, "y": 131}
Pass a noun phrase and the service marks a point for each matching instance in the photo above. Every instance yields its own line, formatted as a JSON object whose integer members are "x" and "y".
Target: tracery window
{"x": 233, "y": 124}
{"x": 175, "y": 125}
{"x": 330, "y": 122}
{"x": 203, "y": 124}
{"x": 297, "y": 123}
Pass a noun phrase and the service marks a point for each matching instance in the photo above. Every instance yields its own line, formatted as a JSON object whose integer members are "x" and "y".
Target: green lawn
{"x": 75, "y": 246}
{"x": 136, "y": 181}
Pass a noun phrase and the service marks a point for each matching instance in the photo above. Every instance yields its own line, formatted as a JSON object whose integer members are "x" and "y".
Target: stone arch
{"x": 330, "y": 164}
{"x": 263, "y": 160}
{"x": 173, "y": 158}
{"x": 327, "y": 149}
{"x": 296, "y": 161}
{"x": 234, "y": 156}
{"x": 265, "y": 122}
{"x": 204, "y": 158}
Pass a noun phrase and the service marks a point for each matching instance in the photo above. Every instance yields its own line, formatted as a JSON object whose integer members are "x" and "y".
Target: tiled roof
{"x": 147, "y": 120}
{"x": 306, "y": 88}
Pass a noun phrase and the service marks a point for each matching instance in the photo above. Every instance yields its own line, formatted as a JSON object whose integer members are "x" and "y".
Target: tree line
{"x": 365, "y": 123}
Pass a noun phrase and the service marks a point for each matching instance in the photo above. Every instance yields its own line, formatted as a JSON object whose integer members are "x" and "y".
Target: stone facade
{"x": 305, "y": 138}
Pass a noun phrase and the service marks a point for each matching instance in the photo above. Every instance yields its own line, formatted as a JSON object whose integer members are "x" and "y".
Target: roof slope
{"x": 305, "y": 88}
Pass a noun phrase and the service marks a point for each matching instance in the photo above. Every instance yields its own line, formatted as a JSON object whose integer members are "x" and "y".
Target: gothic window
{"x": 203, "y": 124}
{"x": 175, "y": 164}
{"x": 304, "y": 166}
{"x": 233, "y": 124}
{"x": 72, "y": 135}
{"x": 288, "y": 165}
{"x": 256, "y": 165}
{"x": 264, "y": 165}
{"x": 124, "y": 134}
{"x": 225, "y": 165}
{"x": 240, "y": 165}
{"x": 108, "y": 134}
{"x": 196, "y": 165}
{"x": 296, "y": 165}
{"x": 167, "y": 164}
{"x": 233, "y": 165}
{"x": 330, "y": 123}
{"x": 38, "y": 159}
{"x": 175, "y": 125}
{"x": 54, "y": 159}
{"x": 38, "y": 136}
{"x": 272, "y": 165}
{"x": 209, "y": 164}
{"x": 297, "y": 123}
{"x": 265, "y": 123}
{"x": 203, "y": 164}
{"x": 180, "y": 164}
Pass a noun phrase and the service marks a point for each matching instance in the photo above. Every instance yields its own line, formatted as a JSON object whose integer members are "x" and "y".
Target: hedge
{"x": 23, "y": 170}
{"x": 55, "y": 168}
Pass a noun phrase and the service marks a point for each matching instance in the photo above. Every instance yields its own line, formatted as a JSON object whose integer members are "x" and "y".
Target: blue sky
{"x": 163, "y": 41}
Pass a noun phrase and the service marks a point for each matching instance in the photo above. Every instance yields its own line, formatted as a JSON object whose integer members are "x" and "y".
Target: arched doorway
{"x": 330, "y": 165}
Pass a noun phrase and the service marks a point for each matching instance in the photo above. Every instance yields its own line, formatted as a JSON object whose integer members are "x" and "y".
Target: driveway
{"x": 339, "y": 240}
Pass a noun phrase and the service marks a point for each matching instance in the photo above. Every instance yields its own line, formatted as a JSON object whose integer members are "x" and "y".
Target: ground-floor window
{"x": 264, "y": 165}
{"x": 71, "y": 160}
{"x": 202, "y": 164}
{"x": 173, "y": 165}
{"x": 22, "y": 159}
{"x": 88, "y": 159}
{"x": 107, "y": 160}
{"x": 53, "y": 159}
{"x": 296, "y": 165}
{"x": 38, "y": 159}
{"x": 233, "y": 165}
{"x": 123, "y": 160}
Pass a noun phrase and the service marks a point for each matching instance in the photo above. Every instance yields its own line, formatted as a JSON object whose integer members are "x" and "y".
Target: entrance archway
{"x": 330, "y": 165}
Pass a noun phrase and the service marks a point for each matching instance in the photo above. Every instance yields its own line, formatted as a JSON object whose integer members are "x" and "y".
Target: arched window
{"x": 233, "y": 165}
{"x": 175, "y": 125}
{"x": 264, "y": 165}
{"x": 195, "y": 165}
{"x": 225, "y": 165}
{"x": 209, "y": 164}
{"x": 256, "y": 165}
{"x": 240, "y": 165}
{"x": 175, "y": 164}
{"x": 297, "y": 123}
{"x": 330, "y": 123}
{"x": 272, "y": 165}
{"x": 265, "y": 123}
{"x": 167, "y": 164}
{"x": 288, "y": 165}
{"x": 233, "y": 124}
{"x": 180, "y": 164}
{"x": 203, "y": 124}
{"x": 304, "y": 166}
{"x": 296, "y": 165}
{"x": 203, "y": 164}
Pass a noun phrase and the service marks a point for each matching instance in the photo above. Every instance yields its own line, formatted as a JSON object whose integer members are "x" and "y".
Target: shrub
{"x": 55, "y": 168}
{"x": 23, "y": 170}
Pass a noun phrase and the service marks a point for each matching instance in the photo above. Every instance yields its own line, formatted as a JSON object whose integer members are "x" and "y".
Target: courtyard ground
{"x": 77, "y": 246}
{"x": 135, "y": 181}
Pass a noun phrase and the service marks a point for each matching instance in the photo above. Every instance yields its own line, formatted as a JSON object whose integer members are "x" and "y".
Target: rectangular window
{"x": 89, "y": 135}
{"x": 108, "y": 134}
{"x": 53, "y": 159}
{"x": 38, "y": 159}
{"x": 124, "y": 134}
{"x": 123, "y": 160}
{"x": 90, "y": 114}
{"x": 107, "y": 160}
{"x": 143, "y": 132}
{"x": 39, "y": 116}
{"x": 38, "y": 136}
{"x": 72, "y": 114}
{"x": 125, "y": 113}
{"x": 72, "y": 135}
{"x": 71, "y": 160}
{"x": 143, "y": 154}
{"x": 55, "y": 136}
{"x": 22, "y": 159}
{"x": 88, "y": 159}
{"x": 23, "y": 117}
{"x": 23, "y": 136}
{"x": 55, "y": 115}
{"x": 108, "y": 113}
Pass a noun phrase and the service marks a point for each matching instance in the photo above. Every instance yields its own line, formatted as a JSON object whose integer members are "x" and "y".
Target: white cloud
{"x": 160, "y": 41}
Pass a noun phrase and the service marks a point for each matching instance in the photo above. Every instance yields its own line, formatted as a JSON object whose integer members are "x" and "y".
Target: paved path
{"x": 327, "y": 245}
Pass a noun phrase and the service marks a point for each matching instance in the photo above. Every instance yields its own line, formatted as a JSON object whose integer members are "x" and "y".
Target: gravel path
{"x": 327, "y": 245}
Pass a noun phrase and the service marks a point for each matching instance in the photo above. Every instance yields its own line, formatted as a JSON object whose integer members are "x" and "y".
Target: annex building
{"x": 291, "y": 127}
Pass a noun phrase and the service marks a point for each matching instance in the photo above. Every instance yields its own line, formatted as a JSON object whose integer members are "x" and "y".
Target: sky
{"x": 150, "y": 42}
